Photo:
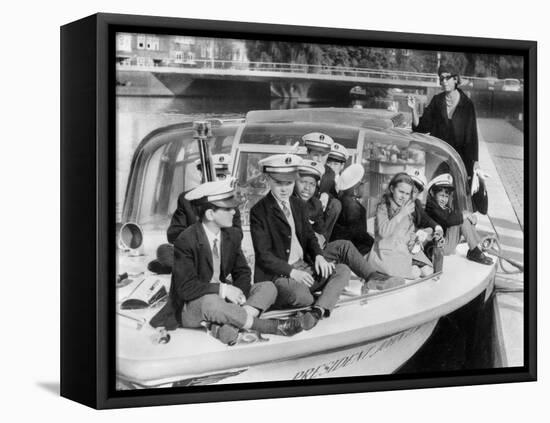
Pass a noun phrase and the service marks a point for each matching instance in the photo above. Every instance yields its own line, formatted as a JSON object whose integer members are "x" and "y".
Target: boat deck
{"x": 356, "y": 320}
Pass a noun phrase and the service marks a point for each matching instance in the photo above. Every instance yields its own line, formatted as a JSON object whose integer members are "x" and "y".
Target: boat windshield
{"x": 164, "y": 168}
{"x": 283, "y": 133}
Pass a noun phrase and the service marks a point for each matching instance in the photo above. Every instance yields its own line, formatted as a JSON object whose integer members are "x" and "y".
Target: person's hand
{"x": 302, "y": 277}
{"x": 438, "y": 233}
{"x": 324, "y": 200}
{"x": 421, "y": 236}
{"x": 411, "y": 102}
{"x": 323, "y": 267}
{"x": 407, "y": 208}
{"x": 471, "y": 217}
{"x": 234, "y": 295}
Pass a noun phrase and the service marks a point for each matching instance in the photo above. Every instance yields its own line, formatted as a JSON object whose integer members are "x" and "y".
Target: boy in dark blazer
{"x": 319, "y": 147}
{"x": 286, "y": 248}
{"x": 185, "y": 215}
{"x": 211, "y": 278}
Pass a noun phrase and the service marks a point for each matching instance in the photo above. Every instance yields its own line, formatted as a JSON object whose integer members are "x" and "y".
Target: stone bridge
{"x": 279, "y": 80}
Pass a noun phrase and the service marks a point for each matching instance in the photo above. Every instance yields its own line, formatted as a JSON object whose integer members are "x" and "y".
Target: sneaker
{"x": 475, "y": 254}
{"x": 289, "y": 327}
{"x": 310, "y": 318}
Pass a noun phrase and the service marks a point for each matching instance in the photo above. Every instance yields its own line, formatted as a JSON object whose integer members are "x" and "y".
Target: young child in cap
{"x": 211, "y": 278}
{"x": 342, "y": 250}
{"x": 337, "y": 158}
{"x": 286, "y": 248}
{"x": 421, "y": 218}
{"x": 319, "y": 147}
{"x": 454, "y": 222}
{"x": 185, "y": 215}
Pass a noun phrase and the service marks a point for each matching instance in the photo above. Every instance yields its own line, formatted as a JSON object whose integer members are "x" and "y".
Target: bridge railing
{"x": 294, "y": 68}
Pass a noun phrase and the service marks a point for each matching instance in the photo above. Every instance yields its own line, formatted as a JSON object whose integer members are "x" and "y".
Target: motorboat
{"x": 370, "y": 332}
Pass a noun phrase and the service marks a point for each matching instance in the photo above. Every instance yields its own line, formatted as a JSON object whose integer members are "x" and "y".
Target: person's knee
{"x": 294, "y": 295}
{"x": 426, "y": 271}
{"x": 268, "y": 289}
{"x": 210, "y": 303}
{"x": 342, "y": 270}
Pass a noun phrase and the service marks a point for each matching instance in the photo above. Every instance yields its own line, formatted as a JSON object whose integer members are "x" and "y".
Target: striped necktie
{"x": 286, "y": 210}
{"x": 216, "y": 263}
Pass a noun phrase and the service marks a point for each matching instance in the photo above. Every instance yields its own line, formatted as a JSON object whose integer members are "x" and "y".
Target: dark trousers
{"x": 332, "y": 212}
{"x": 212, "y": 308}
{"x": 291, "y": 293}
{"x": 343, "y": 251}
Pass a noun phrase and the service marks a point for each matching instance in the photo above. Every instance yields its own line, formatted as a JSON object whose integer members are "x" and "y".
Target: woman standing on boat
{"x": 451, "y": 117}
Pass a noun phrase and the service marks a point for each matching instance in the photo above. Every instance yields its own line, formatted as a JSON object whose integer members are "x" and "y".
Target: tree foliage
{"x": 469, "y": 64}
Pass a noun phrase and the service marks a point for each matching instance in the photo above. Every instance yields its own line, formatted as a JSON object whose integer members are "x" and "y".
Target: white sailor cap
{"x": 218, "y": 193}
{"x": 282, "y": 167}
{"x": 221, "y": 162}
{"x": 311, "y": 168}
{"x": 443, "y": 181}
{"x": 350, "y": 177}
{"x": 418, "y": 178}
{"x": 318, "y": 141}
{"x": 338, "y": 153}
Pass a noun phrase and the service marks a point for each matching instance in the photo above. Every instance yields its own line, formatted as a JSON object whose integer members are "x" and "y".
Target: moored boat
{"x": 367, "y": 334}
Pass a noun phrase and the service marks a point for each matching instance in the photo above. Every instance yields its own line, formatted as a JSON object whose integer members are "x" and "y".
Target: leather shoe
{"x": 475, "y": 254}
{"x": 311, "y": 318}
{"x": 289, "y": 327}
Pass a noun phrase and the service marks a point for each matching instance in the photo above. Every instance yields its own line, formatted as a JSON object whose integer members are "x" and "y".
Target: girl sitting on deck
{"x": 395, "y": 249}
{"x": 454, "y": 222}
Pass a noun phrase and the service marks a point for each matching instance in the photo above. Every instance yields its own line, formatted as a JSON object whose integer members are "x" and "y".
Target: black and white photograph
{"x": 275, "y": 212}
{"x": 297, "y": 211}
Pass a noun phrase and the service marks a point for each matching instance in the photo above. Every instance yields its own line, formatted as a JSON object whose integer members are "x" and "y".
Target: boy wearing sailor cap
{"x": 184, "y": 214}
{"x": 211, "y": 278}
{"x": 340, "y": 250}
{"x": 318, "y": 148}
{"x": 337, "y": 158}
{"x": 420, "y": 217}
{"x": 287, "y": 251}
{"x": 307, "y": 183}
{"x": 454, "y": 222}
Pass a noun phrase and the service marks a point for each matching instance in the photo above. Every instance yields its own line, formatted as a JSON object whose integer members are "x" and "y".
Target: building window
{"x": 141, "y": 42}
{"x": 153, "y": 43}
{"x": 124, "y": 42}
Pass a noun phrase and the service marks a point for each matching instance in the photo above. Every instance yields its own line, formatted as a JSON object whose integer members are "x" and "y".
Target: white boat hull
{"x": 383, "y": 356}
{"x": 370, "y": 335}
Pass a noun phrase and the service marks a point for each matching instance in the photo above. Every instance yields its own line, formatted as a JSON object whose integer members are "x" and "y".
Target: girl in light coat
{"x": 396, "y": 249}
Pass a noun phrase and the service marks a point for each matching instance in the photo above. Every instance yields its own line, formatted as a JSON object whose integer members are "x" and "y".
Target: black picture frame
{"x": 87, "y": 179}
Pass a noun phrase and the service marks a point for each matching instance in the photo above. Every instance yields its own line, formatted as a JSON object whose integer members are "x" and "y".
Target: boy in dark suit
{"x": 318, "y": 149}
{"x": 211, "y": 278}
{"x": 286, "y": 248}
{"x": 185, "y": 216}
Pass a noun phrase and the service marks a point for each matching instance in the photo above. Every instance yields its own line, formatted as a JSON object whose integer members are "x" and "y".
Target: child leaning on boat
{"x": 455, "y": 223}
